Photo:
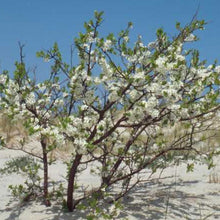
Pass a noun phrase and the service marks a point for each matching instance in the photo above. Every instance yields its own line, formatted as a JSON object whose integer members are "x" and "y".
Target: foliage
{"x": 28, "y": 167}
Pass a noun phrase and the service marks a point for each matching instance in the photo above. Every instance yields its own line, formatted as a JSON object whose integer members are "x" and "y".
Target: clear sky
{"x": 39, "y": 23}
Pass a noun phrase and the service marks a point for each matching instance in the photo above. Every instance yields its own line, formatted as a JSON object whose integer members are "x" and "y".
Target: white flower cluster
{"x": 149, "y": 82}
{"x": 190, "y": 38}
{"x": 107, "y": 45}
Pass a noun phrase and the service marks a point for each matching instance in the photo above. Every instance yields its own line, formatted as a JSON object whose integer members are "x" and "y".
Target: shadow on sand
{"x": 150, "y": 200}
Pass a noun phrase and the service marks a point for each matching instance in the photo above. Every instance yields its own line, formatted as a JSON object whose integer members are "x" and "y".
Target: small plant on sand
{"x": 36, "y": 105}
{"x": 117, "y": 107}
{"x": 30, "y": 169}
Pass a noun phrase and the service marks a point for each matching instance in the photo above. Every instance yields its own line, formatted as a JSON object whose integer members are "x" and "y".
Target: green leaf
{"x": 130, "y": 24}
{"x": 190, "y": 167}
{"x": 160, "y": 32}
{"x": 178, "y": 26}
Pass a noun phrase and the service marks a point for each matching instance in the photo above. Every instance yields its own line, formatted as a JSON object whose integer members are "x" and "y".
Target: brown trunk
{"x": 45, "y": 164}
{"x": 71, "y": 180}
{"x": 106, "y": 181}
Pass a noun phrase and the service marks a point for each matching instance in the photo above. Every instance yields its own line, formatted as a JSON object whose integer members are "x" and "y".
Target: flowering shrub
{"x": 116, "y": 105}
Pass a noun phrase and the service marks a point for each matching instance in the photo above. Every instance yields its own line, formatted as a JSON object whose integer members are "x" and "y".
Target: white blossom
{"x": 190, "y": 38}
{"x": 126, "y": 38}
{"x": 3, "y": 79}
{"x": 217, "y": 69}
{"x": 107, "y": 45}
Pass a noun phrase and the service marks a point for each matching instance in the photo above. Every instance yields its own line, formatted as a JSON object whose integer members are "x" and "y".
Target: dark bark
{"x": 72, "y": 175}
{"x": 45, "y": 165}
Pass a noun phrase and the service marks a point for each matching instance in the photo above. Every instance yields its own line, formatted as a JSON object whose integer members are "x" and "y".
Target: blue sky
{"x": 38, "y": 24}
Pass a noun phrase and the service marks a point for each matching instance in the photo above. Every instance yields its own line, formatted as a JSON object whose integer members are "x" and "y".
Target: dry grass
{"x": 15, "y": 133}
{"x": 12, "y": 131}
{"x": 214, "y": 177}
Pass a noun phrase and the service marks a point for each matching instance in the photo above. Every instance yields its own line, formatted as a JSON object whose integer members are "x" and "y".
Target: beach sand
{"x": 177, "y": 195}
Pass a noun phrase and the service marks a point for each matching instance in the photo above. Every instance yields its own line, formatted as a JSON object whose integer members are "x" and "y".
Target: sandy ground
{"x": 178, "y": 195}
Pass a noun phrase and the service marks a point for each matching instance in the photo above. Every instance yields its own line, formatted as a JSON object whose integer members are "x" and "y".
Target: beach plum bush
{"x": 118, "y": 107}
